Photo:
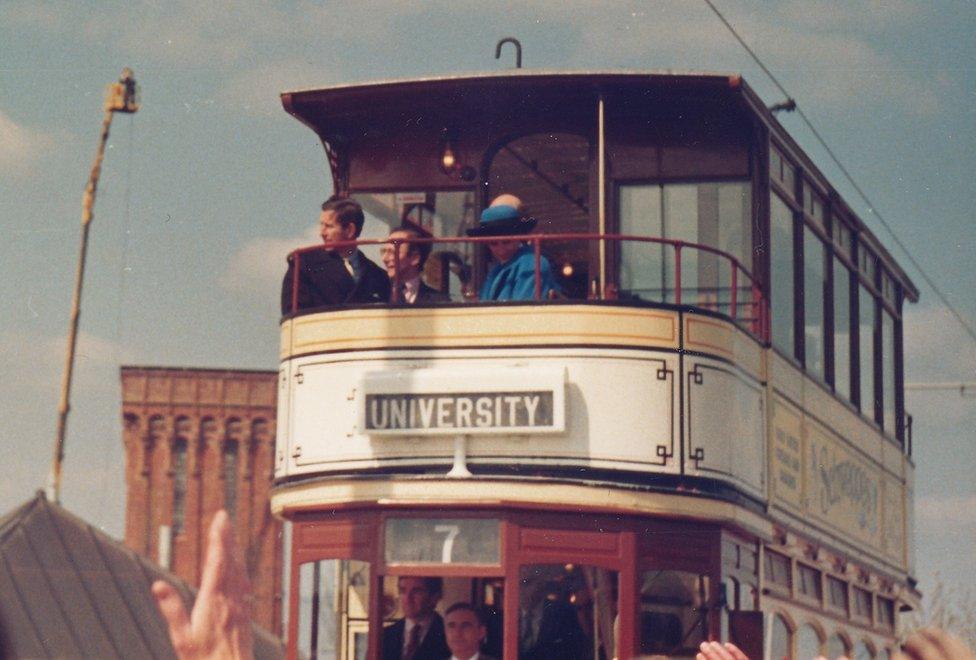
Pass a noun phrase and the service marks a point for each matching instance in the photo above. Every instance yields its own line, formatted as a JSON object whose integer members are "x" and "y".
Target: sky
{"x": 211, "y": 183}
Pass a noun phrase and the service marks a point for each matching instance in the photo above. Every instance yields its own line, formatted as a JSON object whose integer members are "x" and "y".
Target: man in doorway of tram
{"x": 512, "y": 277}
{"x": 412, "y": 290}
{"x": 335, "y": 275}
{"x": 419, "y": 635}
{"x": 466, "y": 631}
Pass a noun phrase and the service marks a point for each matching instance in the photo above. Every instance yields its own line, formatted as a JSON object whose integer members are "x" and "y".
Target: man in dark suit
{"x": 466, "y": 632}
{"x": 413, "y": 256}
{"x": 419, "y": 635}
{"x": 334, "y": 275}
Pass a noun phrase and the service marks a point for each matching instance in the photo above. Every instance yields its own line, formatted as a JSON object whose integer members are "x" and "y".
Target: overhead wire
{"x": 872, "y": 208}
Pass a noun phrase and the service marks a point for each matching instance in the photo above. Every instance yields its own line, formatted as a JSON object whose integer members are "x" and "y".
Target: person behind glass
{"x": 413, "y": 256}
{"x": 466, "y": 631}
{"x": 419, "y": 635}
{"x": 335, "y": 276}
{"x": 512, "y": 277}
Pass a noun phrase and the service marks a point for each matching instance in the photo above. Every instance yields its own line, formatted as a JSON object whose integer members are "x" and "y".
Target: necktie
{"x": 413, "y": 643}
{"x": 401, "y": 298}
{"x": 348, "y": 265}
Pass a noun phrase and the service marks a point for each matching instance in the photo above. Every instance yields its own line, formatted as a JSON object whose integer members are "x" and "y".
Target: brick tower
{"x": 197, "y": 440}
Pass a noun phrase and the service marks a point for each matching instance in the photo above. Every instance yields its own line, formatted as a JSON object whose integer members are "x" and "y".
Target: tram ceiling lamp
{"x": 449, "y": 161}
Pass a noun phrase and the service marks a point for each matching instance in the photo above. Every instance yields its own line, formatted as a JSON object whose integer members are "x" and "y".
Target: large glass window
{"x": 781, "y": 275}
{"x": 888, "y": 371}
{"x": 842, "y": 330}
{"x": 567, "y": 611}
{"x": 333, "y": 606}
{"x": 673, "y": 614}
{"x": 814, "y": 286}
{"x": 443, "y": 214}
{"x": 714, "y": 214}
{"x": 866, "y": 315}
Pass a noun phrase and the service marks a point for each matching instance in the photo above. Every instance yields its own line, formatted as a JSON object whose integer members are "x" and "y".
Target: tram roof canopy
{"x": 342, "y": 113}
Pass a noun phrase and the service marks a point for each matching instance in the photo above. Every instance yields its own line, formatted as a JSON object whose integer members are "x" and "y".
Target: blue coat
{"x": 515, "y": 279}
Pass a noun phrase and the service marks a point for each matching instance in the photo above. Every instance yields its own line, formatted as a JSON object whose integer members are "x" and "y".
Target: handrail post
{"x": 537, "y": 247}
{"x": 677, "y": 273}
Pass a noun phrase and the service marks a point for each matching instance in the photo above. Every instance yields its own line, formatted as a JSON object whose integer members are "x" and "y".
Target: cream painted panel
{"x": 785, "y": 377}
{"x": 786, "y": 455}
{"x": 365, "y": 329}
{"x": 725, "y": 425}
{"x": 603, "y": 427}
{"x": 893, "y": 516}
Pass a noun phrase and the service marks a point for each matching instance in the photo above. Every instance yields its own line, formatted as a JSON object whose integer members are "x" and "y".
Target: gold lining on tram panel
{"x": 492, "y": 325}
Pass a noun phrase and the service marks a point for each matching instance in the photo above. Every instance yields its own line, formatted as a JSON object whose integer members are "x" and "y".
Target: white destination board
{"x": 476, "y": 401}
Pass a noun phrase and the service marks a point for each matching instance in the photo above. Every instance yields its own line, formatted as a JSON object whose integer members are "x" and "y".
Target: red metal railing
{"x": 755, "y": 322}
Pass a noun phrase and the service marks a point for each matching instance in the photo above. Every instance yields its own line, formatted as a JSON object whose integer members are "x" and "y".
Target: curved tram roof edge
{"x": 731, "y": 81}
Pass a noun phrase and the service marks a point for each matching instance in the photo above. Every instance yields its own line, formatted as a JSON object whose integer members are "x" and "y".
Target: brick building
{"x": 197, "y": 440}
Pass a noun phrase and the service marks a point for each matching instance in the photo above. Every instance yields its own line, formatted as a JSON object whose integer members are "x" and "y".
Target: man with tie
{"x": 419, "y": 635}
{"x": 412, "y": 290}
{"x": 335, "y": 275}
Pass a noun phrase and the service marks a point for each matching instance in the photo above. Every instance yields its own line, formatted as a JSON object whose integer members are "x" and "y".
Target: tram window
{"x": 842, "y": 330}
{"x": 567, "y": 611}
{"x": 714, "y": 214}
{"x": 781, "y": 275}
{"x": 814, "y": 290}
{"x": 809, "y": 643}
{"x": 781, "y": 642}
{"x": 888, "y": 371}
{"x": 673, "y": 612}
{"x": 782, "y": 171}
{"x": 550, "y": 173}
{"x": 837, "y": 646}
{"x": 866, "y": 315}
{"x": 443, "y": 214}
{"x": 442, "y": 541}
{"x": 484, "y": 594}
{"x": 813, "y": 204}
{"x": 333, "y": 609}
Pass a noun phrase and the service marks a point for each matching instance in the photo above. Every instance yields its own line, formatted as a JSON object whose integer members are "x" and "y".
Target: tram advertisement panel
{"x": 822, "y": 479}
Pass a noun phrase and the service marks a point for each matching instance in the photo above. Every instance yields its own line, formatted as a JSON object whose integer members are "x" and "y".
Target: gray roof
{"x": 69, "y": 590}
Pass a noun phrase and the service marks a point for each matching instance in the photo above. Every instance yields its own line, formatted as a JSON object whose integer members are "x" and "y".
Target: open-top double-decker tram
{"x": 701, "y": 437}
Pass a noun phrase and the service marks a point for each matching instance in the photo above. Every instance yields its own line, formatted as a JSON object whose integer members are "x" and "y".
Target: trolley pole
{"x": 120, "y": 97}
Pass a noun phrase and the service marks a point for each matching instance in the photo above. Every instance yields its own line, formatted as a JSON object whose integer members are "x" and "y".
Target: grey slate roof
{"x": 68, "y": 590}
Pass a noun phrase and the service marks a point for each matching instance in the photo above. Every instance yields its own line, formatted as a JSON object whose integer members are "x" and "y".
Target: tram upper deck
{"x": 729, "y": 329}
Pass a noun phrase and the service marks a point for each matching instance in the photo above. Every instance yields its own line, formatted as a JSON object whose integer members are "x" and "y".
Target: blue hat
{"x": 502, "y": 220}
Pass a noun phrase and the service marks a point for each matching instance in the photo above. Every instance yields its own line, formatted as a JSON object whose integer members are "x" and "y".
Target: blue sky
{"x": 208, "y": 186}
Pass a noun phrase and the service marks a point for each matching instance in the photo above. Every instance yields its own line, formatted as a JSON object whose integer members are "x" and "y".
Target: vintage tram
{"x": 702, "y": 437}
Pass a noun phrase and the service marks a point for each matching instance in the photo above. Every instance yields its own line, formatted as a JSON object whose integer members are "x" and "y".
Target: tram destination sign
{"x": 422, "y": 402}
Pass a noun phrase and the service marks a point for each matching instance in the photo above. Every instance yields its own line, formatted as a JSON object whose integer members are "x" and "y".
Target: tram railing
{"x": 737, "y": 294}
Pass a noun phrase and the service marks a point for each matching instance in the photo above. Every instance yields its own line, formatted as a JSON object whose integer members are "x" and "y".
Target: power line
{"x": 871, "y": 206}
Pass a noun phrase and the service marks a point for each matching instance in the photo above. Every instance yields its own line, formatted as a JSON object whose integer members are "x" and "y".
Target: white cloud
{"x": 256, "y": 269}
{"x": 256, "y": 91}
{"x": 958, "y": 511}
{"x": 21, "y": 147}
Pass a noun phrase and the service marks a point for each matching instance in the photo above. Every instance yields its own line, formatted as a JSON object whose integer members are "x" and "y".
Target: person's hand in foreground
{"x": 220, "y": 624}
{"x": 719, "y": 651}
{"x": 934, "y": 644}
